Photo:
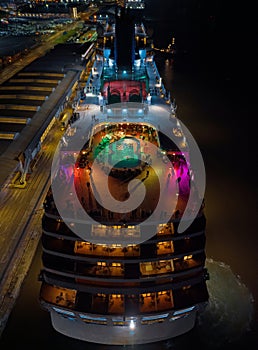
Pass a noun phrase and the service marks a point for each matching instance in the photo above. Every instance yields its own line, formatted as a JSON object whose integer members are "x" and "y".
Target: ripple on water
{"x": 230, "y": 311}
{"x": 223, "y": 323}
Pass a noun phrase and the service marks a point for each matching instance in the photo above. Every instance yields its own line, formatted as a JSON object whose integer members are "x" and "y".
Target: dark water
{"x": 216, "y": 102}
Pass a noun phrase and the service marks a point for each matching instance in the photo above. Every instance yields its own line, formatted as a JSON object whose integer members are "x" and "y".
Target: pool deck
{"x": 110, "y": 199}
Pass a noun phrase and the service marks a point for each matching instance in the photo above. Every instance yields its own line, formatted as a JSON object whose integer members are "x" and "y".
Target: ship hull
{"x": 124, "y": 274}
{"x": 117, "y": 335}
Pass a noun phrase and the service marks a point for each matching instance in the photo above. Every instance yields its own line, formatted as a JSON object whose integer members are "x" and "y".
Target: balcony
{"x": 86, "y": 248}
{"x": 124, "y": 304}
{"x": 151, "y": 268}
{"x": 152, "y": 302}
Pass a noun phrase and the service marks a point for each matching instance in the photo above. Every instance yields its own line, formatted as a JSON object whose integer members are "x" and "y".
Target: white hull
{"x": 123, "y": 335}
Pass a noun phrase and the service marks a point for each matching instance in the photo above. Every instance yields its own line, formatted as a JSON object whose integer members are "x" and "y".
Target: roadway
{"x": 20, "y": 225}
{"x": 21, "y": 210}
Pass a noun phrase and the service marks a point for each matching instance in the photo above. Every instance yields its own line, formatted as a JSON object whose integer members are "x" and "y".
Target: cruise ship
{"x": 124, "y": 225}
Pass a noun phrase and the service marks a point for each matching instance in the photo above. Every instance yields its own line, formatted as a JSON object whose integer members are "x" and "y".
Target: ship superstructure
{"x": 124, "y": 282}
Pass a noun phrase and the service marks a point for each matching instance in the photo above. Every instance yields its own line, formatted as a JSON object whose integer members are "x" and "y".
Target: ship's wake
{"x": 225, "y": 321}
{"x": 229, "y": 314}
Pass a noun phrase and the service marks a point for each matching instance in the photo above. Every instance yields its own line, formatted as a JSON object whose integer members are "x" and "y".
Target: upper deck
{"x": 121, "y": 167}
{"x": 126, "y": 160}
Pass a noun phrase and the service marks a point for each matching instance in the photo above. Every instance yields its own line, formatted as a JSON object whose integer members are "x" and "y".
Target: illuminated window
{"x": 119, "y": 321}
{"x": 186, "y": 287}
{"x": 182, "y": 311}
{"x": 154, "y": 319}
{"x": 61, "y": 311}
{"x": 116, "y": 296}
{"x": 165, "y": 247}
{"x": 101, "y": 295}
{"x": 165, "y": 229}
{"x": 95, "y": 320}
{"x": 163, "y": 292}
{"x": 187, "y": 257}
{"x": 116, "y": 264}
{"x": 156, "y": 267}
